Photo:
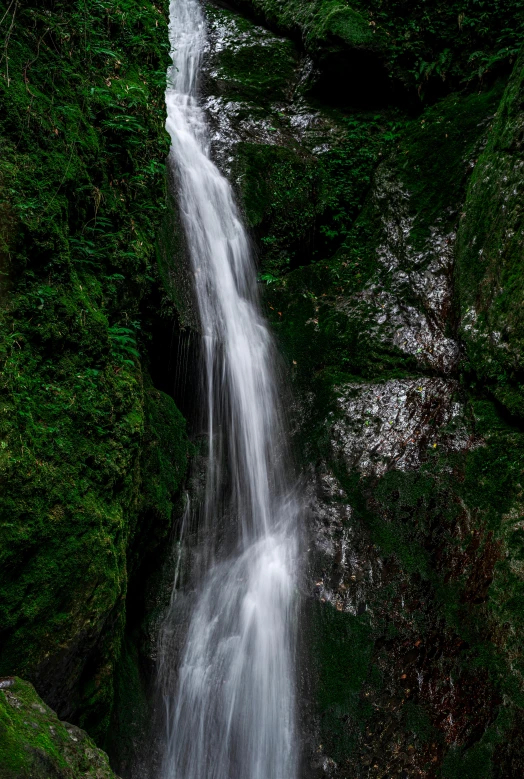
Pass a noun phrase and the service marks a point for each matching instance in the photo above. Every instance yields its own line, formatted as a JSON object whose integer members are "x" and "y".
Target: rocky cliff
{"x": 387, "y": 218}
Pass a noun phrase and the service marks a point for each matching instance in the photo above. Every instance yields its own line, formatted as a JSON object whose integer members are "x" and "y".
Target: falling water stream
{"x": 229, "y": 688}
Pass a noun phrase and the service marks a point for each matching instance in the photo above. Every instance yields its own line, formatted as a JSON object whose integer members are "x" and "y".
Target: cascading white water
{"x": 230, "y": 692}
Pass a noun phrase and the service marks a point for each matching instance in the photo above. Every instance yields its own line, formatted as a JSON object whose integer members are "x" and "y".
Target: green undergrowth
{"x": 87, "y": 446}
{"x": 456, "y": 42}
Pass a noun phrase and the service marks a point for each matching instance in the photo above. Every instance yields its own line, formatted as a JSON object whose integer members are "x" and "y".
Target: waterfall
{"x": 229, "y": 687}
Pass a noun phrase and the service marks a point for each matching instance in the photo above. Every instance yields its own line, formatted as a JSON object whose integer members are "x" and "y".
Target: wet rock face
{"x": 410, "y": 532}
{"x": 407, "y": 697}
{"x": 254, "y": 90}
{"x": 395, "y": 690}
{"x": 35, "y": 744}
{"x": 250, "y": 76}
{"x": 345, "y": 562}
{"x": 394, "y": 424}
{"x": 415, "y": 296}
{"x": 414, "y": 524}
{"x": 265, "y": 134}
{"x": 407, "y": 302}
{"x": 414, "y": 511}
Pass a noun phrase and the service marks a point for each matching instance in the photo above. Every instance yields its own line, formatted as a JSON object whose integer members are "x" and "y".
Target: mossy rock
{"x": 490, "y": 255}
{"x": 338, "y": 22}
{"x": 249, "y": 63}
{"x": 35, "y": 744}
{"x": 321, "y": 22}
{"x": 82, "y": 452}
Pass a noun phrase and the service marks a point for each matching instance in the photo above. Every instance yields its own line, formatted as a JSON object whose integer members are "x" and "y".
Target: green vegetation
{"x": 454, "y": 41}
{"x": 90, "y": 455}
{"x": 283, "y": 191}
{"x": 342, "y": 648}
{"x": 319, "y": 22}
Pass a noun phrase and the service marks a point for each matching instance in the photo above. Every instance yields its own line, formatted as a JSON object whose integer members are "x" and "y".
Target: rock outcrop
{"x": 35, "y": 744}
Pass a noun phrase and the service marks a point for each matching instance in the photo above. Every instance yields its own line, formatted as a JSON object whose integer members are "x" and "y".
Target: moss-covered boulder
{"x": 35, "y": 744}
{"x": 321, "y": 22}
{"x": 249, "y": 63}
{"x": 344, "y": 41}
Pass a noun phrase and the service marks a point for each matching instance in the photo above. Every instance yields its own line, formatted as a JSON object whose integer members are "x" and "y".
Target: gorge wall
{"x": 377, "y": 152}
{"x": 92, "y": 452}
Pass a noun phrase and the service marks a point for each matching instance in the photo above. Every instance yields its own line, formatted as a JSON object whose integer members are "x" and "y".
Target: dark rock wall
{"x": 490, "y": 278}
{"x": 364, "y": 218}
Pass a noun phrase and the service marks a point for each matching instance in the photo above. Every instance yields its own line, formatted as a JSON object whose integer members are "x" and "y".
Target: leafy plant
{"x": 123, "y": 343}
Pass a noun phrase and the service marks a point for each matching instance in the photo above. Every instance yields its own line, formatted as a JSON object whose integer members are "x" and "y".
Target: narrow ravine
{"x": 230, "y": 688}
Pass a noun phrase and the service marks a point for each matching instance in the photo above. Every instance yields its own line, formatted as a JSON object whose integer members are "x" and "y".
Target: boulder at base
{"x": 34, "y": 744}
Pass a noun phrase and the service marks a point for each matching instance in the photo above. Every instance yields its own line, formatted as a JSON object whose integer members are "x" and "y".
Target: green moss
{"x": 417, "y": 722}
{"x": 342, "y": 648}
{"x": 283, "y": 191}
{"x": 481, "y": 759}
{"x": 164, "y": 457}
{"x": 34, "y": 744}
{"x": 436, "y": 153}
{"x": 131, "y": 719}
{"x": 428, "y": 46}
{"x": 489, "y": 256}
{"x": 347, "y": 24}
{"x": 320, "y": 22}
{"x": 323, "y": 328}
{"x": 410, "y": 518}
{"x": 252, "y": 65}
{"x": 82, "y": 183}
